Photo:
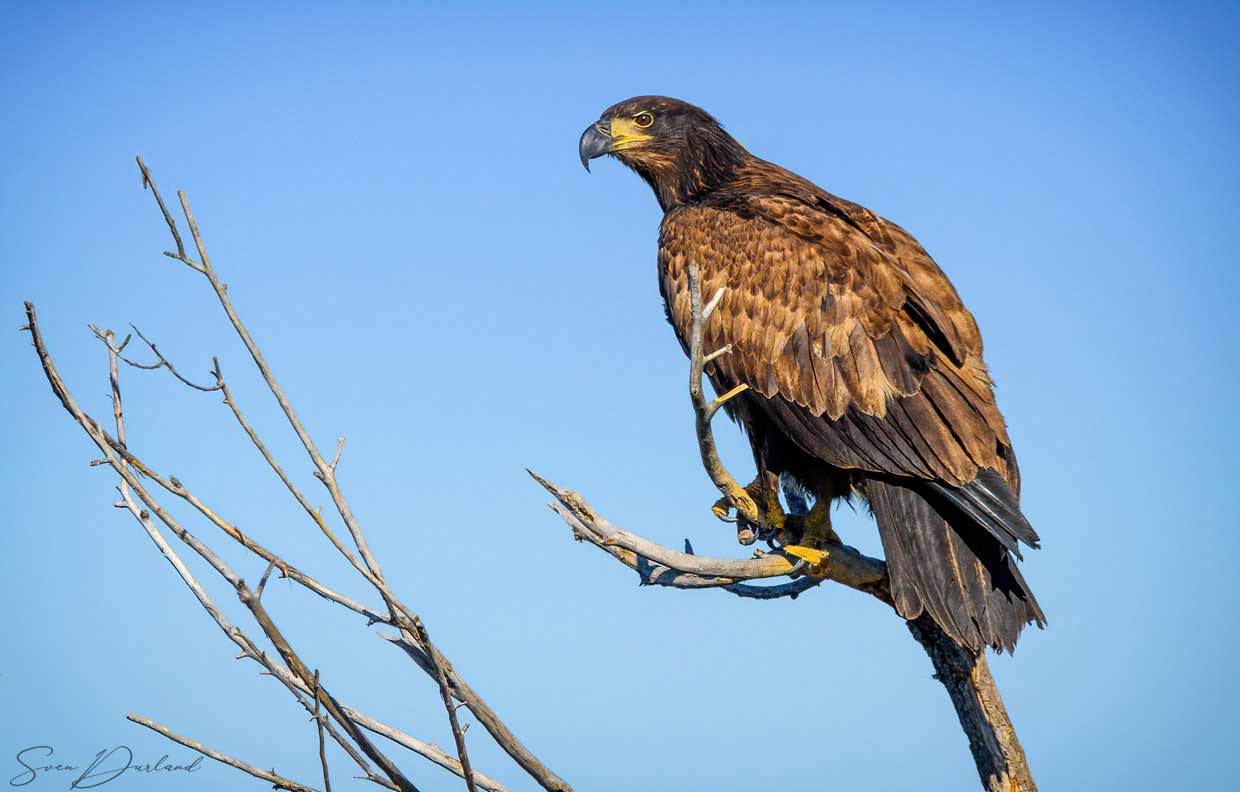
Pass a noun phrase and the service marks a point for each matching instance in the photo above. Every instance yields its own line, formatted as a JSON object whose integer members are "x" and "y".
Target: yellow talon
{"x": 809, "y": 554}
{"x": 816, "y": 558}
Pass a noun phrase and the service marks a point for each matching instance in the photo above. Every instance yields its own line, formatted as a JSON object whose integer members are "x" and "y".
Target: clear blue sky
{"x": 394, "y": 196}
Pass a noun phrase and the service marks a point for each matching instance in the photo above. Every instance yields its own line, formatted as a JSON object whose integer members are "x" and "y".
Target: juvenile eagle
{"x": 864, "y": 369}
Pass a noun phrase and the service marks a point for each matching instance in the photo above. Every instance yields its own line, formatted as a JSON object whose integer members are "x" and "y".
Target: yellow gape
{"x": 626, "y": 133}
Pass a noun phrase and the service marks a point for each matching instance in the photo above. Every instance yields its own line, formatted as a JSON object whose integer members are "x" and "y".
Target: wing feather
{"x": 861, "y": 332}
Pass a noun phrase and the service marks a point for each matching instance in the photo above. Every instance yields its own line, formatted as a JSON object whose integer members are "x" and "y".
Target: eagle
{"x": 863, "y": 369}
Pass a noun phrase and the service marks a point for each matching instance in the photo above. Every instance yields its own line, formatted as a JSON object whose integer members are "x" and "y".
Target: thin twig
{"x": 314, "y": 513}
{"x": 277, "y": 782}
{"x": 318, "y": 721}
{"x": 160, "y": 360}
{"x": 720, "y": 352}
{"x": 147, "y": 181}
{"x": 262, "y": 583}
{"x": 428, "y": 751}
{"x": 458, "y": 734}
{"x": 339, "y": 450}
{"x": 326, "y": 474}
{"x": 221, "y": 385}
{"x": 178, "y": 488}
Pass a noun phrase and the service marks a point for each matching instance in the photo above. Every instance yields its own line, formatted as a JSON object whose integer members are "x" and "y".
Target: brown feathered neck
{"x": 687, "y": 166}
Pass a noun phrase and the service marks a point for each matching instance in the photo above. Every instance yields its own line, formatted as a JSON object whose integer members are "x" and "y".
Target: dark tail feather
{"x": 957, "y": 569}
{"x": 986, "y": 501}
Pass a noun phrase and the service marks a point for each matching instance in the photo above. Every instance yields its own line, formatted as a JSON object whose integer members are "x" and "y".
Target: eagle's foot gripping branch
{"x": 764, "y": 496}
{"x": 803, "y": 536}
{"x": 817, "y": 559}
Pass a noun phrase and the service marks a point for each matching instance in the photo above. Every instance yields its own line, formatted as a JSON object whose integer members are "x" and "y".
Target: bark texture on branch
{"x": 996, "y": 750}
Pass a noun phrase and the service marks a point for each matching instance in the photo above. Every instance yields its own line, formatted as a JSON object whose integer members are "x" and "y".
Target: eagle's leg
{"x": 808, "y": 535}
{"x": 816, "y": 530}
{"x": 810, "y": 530}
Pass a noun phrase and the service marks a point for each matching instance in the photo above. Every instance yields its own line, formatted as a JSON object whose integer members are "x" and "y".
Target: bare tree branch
{"x": 109, "y": 448}
{"x": 318, "y": 723}
{"x": 277, "y": 782}
{"x": 315, "y": 514}
{"x": 323, "y": 468}
{"x": 147, "y": 181}
{"x": 178, "y": 488}
{"x": 399, "y": 614}
{"x": 704, "y": 411}
{"x": 426, "y": 750}
{"x": 160, "y": 360}
{"x": 685, "y": 570}
{"x": 458, "y": 734}
{"x": 143, "y": 518}
{"x": 345, "y": 725}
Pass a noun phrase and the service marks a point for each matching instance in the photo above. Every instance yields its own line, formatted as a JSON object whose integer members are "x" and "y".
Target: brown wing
{"x": 855, "y": 337}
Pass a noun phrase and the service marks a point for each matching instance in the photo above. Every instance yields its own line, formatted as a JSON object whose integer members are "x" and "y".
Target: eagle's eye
{"x": 643, "y": 120}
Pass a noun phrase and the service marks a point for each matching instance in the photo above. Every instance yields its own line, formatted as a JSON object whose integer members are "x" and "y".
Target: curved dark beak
{"x": 594, "y": 143}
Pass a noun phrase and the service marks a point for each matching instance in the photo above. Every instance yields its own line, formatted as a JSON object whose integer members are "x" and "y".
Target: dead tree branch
{"x": 318, "y": 723}
{"x": 399, "y": 615}
{"x": 109, "y": 446}
{"x": 277, "y": 782}
{"x": 664, "y": 566}
{"x": 458, "y": 734}
{"x": 346, "y": 726}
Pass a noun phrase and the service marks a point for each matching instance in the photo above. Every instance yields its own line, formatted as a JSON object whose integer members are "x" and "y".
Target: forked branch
{"x": 704, "y": 410}
{"x": 346, "y": 726}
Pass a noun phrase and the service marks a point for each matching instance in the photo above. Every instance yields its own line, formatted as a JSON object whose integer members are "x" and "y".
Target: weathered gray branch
{"x": 399, "y": 615}
{"x": 704, "y": 411}
{"x": 665, "y": 566}
{"x": 277, "y": 782}
{"x": 292, "y": 672}
{"x": 445, "y": 691}
{"x": 997, "y": 752}
{"x": 121, "y": 459}
{"x": 319, "y": 720}
{"x": 108, "y": 446}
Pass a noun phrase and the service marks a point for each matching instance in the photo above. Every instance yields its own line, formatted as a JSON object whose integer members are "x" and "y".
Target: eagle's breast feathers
{"x": 842, "y": 323}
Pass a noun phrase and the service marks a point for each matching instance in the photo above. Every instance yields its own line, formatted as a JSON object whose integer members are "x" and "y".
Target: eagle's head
{"x": 679, "y": 149}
